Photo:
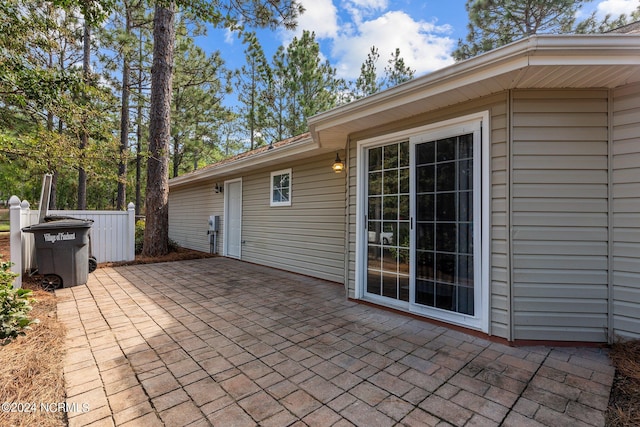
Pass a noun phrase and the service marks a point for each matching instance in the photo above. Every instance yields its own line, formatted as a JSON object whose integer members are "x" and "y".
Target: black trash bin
{"x": 62, "y": 251}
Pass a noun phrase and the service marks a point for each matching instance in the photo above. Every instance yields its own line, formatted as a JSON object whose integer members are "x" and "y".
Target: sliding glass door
{"x": 422, "y": 219}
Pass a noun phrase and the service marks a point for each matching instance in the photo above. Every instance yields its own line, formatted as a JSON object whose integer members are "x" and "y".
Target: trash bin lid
{"x": 59, "y": 224}
{"x": 51, "y": 218}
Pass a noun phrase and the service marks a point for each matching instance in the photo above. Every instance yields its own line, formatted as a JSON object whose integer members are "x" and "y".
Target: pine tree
{"x": 494, "y": 23}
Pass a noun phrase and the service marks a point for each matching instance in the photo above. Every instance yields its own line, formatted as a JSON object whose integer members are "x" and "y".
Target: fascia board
{"x": 533, "y": 51}
{"x": 251, "y": 162}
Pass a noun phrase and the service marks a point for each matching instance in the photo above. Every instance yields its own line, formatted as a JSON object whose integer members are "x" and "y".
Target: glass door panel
{"x": 444, "y": 271}
{"x": 388, "y": 221}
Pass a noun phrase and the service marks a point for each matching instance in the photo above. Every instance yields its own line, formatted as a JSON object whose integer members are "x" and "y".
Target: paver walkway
{"x": 225, "y": 343}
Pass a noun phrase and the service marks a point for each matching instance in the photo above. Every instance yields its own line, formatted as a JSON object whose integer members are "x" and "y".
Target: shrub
{"x": 139, "y": 239}
{"x": 15, "y": 305}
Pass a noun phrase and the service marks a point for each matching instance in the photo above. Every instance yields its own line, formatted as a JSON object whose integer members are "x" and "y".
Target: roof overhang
{"x": 545, "y": 62}
{"x": 302, "y": 147}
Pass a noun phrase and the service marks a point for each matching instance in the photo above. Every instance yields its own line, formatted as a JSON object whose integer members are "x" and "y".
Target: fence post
{"x": 15, "y": 239}
{"x": 131, "y": 231}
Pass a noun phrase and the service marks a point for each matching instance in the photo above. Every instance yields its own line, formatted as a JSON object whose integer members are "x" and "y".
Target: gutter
{"x": 537, "y": 50}
{"x": 251, "y": 161}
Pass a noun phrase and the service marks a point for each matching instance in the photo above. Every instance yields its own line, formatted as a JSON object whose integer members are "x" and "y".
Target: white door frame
{"x": 227, "y": 219}
{"x": 481, "y": 320}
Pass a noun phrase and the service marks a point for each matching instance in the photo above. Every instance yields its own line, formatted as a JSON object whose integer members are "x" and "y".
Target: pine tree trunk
{"x": 84, "y": 137}
{"x": 121, "y": 201}
{"x": 156, "y": 233}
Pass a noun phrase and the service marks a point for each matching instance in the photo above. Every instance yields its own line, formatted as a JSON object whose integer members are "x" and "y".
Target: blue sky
{"x": 425, "y": 31}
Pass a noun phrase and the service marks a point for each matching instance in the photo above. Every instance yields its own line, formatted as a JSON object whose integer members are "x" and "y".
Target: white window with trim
{"x": 281, "y": 188}
{"x": 423, "y": 210}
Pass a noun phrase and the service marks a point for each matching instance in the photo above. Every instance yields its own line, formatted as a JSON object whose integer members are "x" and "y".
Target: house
{"x": 500, "y": 194}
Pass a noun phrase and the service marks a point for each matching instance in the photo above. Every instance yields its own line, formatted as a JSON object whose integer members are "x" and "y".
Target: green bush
{"x": 15, "y": 305}
{"x": 139, "y": 239}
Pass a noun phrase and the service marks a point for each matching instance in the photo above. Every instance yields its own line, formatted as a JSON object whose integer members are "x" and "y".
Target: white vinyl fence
{"x": 112, "y": 234}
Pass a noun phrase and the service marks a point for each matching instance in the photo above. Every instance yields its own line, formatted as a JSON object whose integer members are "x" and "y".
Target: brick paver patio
{"x": 225, "y": 343}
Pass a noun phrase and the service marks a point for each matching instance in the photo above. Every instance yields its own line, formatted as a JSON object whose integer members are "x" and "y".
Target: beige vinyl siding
{"x": 626, "y": 211}
{"x": 499, "y": 263}
{"x": 189, "y": 211}
{"x": 560, "y": 214}
{"x": 306, "y": 237}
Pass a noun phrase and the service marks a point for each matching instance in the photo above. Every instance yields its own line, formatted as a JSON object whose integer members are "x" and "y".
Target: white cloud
{"x": 616, "y": 8}
{"x": 361, "y": 9}
{"x": 229, "y": 36}
{"x": 347, "y": 36}
{"x": 320, "y": 16}
{"x": 423, "y": 45}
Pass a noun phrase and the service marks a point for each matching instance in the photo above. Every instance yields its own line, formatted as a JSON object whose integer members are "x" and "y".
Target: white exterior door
{"x": 233, "y": 218}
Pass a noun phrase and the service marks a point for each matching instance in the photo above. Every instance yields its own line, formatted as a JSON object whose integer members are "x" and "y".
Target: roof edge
{"x": 252, "y": 160}
{"x": 554, "y": 49}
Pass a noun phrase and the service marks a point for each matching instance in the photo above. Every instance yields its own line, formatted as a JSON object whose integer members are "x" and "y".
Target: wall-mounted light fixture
{"x": 218, "y": 188}
{"x": 338, "y": 166}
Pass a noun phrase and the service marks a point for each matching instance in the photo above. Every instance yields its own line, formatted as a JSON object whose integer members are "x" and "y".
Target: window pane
{"x": 445, "y": 267}
{"x": 425, "y": 207}
{"x": 390, "y": 285}
{"x": 375, "y": 232}
{"x": 404, "y": 180}
{"x": 403, "y": 212}
{"x": 465, "y": 300}
{"x": 465, "y": 175}
{"x": 425, "y": 153}
{"x": 390, "y": 179}
{"x": 403, "y": 288}
{"x": 425, "y": 292}
{"x": 390, "y": 207}
{"x": 375, "y": 183}
{"x": 446, "y": 149}
{"x": 285, "y": 194}
{"x": 446, "y": 296}
{"x": 389, "y": 259}
{"x": 404, "y": 154}
{"x": 465, "y": 270}
{"x": 374, "y": 280}
{"x": 375, "y": 159}
{"x": 446, "y": 237}
{"x": 425, "y": 265}
{"x": 375, "y": 208}
{"x": 391, "y": 156}
{"x": 465, "y": 206}
{"x": 424, "y": 236}
{"x": 446, "y": 207}
{"x": 374, "y": 259}
{"x": 465, "y": 146}
{"x": 446, "y": 176}
{"x": 465, "y": 238}
{"x": 425, "y": 179}
{"x": 389, "y": 233}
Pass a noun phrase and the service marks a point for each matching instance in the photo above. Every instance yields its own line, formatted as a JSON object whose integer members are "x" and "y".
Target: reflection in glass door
{"x": 444, "y": 276}
{"x": 388, "y": 221}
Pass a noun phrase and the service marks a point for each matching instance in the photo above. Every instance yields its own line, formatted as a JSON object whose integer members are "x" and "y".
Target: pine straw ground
{"x": 31, "y": 366}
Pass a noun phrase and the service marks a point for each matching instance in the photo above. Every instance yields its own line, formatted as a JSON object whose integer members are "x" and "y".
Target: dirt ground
{"x": 27, "y": 371}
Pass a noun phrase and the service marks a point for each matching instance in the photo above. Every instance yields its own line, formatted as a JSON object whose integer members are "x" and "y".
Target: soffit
{"x": 542, "y": 62}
